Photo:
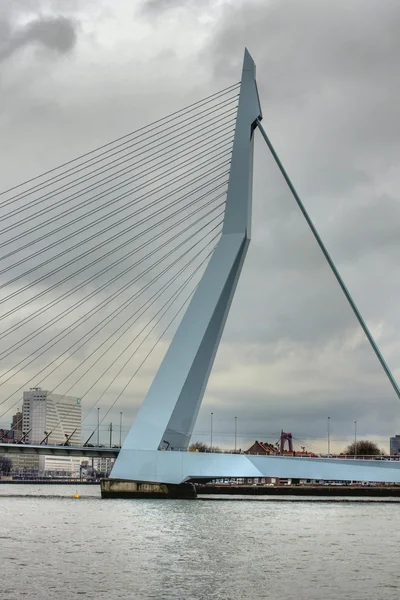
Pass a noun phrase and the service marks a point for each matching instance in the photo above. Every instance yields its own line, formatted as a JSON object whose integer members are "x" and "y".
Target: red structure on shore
{"x": 286, "y": 437}
{"x": 262, "y": 448}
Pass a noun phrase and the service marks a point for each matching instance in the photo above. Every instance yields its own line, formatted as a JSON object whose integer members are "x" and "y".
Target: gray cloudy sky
{"x": 78, "y": 74}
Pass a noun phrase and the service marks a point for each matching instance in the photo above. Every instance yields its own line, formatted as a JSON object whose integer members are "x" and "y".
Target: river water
{"x": 53, "y": 546}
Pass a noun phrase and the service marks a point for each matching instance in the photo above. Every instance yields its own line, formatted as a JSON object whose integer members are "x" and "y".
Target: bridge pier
{"x": 125, "y": 488}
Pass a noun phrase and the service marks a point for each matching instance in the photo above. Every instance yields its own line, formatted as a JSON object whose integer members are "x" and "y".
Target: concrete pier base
{"x": 125, "y": 488}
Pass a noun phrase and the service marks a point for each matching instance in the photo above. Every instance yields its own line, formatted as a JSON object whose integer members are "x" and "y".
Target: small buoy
{"x": 77, "y": 496}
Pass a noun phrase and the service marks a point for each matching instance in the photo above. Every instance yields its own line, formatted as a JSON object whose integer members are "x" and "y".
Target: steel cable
{"x": 114, "y": 237}
{"x": 145, "y": 358}
{"x": 208, "y": 99}
{"x": 85, "y": 267}
{"x": 110, "y": 298}
{"x": 124, "y": 183}
{"x": 104, "y": 322}
{"x": 52, "y": 193}
{"x": 174, "y": 295}
{"x": 92, "y": 311}
{"x": 199, "y": 167}
{"x": 21, "y": 387}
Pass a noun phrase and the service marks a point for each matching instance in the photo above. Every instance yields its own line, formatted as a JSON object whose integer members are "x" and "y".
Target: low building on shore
{"x": 262, "y": 448}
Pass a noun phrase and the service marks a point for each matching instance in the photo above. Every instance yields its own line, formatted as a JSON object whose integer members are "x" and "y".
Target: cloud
{"x": 160, "y": 6}
{"x": 292, "y": 352}
{"x": 54, "y": 33}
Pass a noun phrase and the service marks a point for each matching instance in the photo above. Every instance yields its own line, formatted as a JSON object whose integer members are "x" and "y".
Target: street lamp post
{"x": 98, "y": 426}
{"x": 355, "y": 439}
{"x": 329, "y": 435}
{"x": 235, "y": 433}
{"x": 211, "y": 432}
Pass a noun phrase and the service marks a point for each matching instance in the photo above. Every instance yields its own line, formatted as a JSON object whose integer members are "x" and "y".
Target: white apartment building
{"x": 56, "y": 416}
{"x": 103, "y": 465}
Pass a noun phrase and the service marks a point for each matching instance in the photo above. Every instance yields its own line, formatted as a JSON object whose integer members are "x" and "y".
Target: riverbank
{"x": 226, "y": 491}
{"x": 47, "y": 482}
{"x": 301, "y": 490}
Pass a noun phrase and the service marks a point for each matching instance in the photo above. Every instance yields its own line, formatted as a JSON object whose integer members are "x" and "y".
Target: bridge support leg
{"x": 125, "y": 488}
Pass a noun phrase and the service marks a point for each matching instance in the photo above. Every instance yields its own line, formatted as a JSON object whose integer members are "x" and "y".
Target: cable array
{"x": 100, "y": 255}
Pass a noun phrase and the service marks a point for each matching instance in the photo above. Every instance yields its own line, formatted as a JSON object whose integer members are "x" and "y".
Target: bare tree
{"x": 363, "y": 448}
{"x": 202, "y": 447}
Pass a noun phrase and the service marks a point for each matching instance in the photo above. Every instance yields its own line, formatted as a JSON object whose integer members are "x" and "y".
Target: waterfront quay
{"x": 352, "y": 491}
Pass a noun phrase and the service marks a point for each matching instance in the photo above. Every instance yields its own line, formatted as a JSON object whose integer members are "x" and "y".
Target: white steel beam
{"x": 179, "y": 467}
{"x": 170, "y": 408}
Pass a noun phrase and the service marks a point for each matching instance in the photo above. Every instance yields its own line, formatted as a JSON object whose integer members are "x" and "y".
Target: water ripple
{"x": 56, "y": 547}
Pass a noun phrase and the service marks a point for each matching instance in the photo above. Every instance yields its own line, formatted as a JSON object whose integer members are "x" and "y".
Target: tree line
{"x": 362, "y": 448}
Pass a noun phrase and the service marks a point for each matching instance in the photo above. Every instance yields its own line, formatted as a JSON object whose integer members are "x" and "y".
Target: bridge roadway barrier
{"x": 337, "y": 491}
{"x": 43, "y": 449}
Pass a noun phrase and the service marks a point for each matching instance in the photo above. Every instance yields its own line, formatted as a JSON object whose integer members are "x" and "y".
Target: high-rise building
{"x": 395, "y": 445}
{"x": 52, "y": 416}
{"x": 14, "y": 434}
{"x": 16, "y": 426}
{"x": 52, "y": 419}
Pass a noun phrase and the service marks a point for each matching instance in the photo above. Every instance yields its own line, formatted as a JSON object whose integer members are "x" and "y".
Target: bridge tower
{"x": 153, "y": 461}
{"x": 167, "y": 415}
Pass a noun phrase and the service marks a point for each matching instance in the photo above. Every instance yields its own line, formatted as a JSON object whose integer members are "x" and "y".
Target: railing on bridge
{"x": 101, "y": 450}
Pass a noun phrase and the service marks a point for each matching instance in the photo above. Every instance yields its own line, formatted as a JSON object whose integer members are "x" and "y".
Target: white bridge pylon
{"x": 155, "y": 447}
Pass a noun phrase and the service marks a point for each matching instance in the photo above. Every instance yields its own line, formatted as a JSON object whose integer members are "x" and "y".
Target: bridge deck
{"x": 59, "y": 450}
